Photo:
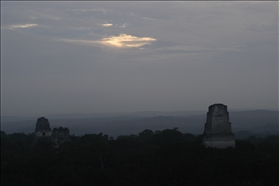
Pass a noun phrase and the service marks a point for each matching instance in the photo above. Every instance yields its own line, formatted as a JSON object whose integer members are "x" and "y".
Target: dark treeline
{"x": 166, "y": 157}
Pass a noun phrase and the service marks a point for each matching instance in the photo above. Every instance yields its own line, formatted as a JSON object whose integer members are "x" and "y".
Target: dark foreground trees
{"x": 166, "y": 157}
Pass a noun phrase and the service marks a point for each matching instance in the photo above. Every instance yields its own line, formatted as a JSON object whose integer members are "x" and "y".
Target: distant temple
{"x": 60, "y": 135}
{"x": 42, "y": 128}
{"x": 217, "y": 129}
{"x": 43, "y": 131}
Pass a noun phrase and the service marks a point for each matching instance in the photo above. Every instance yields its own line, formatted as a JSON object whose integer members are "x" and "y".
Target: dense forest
{"x": 166, "y": 157}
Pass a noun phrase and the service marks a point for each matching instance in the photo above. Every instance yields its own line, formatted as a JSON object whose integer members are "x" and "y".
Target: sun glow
{"x": 106, "y": 25}
{"x": 121, "y": 41}
{"x": 126, "y": 41}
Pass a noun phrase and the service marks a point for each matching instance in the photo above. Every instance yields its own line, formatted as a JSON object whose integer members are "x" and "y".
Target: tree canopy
{"x": 166, "y": 157}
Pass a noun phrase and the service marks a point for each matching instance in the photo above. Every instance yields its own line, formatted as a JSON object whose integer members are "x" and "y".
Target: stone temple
{"x": 42, "y": 128}
{"x": 43, "y": 131}
{"x": 217, "y": 129}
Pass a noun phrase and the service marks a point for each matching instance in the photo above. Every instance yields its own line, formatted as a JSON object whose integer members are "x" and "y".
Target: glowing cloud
{"x": 106, "y": 25}
{"x": 121, "y": 41}
{"x": 22, "y": 26}
{"x": 126, "y": 41}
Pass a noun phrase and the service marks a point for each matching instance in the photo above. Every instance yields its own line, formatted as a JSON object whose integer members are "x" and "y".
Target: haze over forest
{"x": 132, "y": 81}
{"x": 126, "y": 57}
{"x": 244, "y": 123}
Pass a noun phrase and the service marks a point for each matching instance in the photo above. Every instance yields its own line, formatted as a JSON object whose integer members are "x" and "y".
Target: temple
{"x": 60, "y": 135}
{"x": 43, "y": 131}
{"x": 42, "y": 128}
{"x": 217, "y": 129}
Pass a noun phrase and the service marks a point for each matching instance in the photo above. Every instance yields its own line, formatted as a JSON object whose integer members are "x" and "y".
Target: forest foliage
{"x": 166, "y": 157}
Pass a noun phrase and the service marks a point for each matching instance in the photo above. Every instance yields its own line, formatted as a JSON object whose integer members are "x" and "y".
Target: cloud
{"x": 22, "y": 26}
{"x": 126, "y": 41}
{"x": 121, "y": 41}
{"x": 115, "y": 25}
{"x": 106, "y": 25}
{"x": 80, "y": 41}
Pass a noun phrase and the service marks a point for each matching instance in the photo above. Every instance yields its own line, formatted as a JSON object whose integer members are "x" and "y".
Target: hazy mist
{"x": 113, "y": 57}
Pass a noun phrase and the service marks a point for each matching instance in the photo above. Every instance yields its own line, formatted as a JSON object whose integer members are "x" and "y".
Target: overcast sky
{"x": 93, "y": 57}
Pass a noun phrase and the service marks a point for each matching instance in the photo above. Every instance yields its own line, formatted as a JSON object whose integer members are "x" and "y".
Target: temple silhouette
{"x": 43, "y": 131}
{"x": 217, "y": 129}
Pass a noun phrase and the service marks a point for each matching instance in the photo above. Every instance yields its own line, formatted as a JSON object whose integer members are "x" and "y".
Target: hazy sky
{"x": 88, "y": 57}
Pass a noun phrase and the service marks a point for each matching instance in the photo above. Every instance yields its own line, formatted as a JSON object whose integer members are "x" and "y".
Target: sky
{"x": 114, "y": 57}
